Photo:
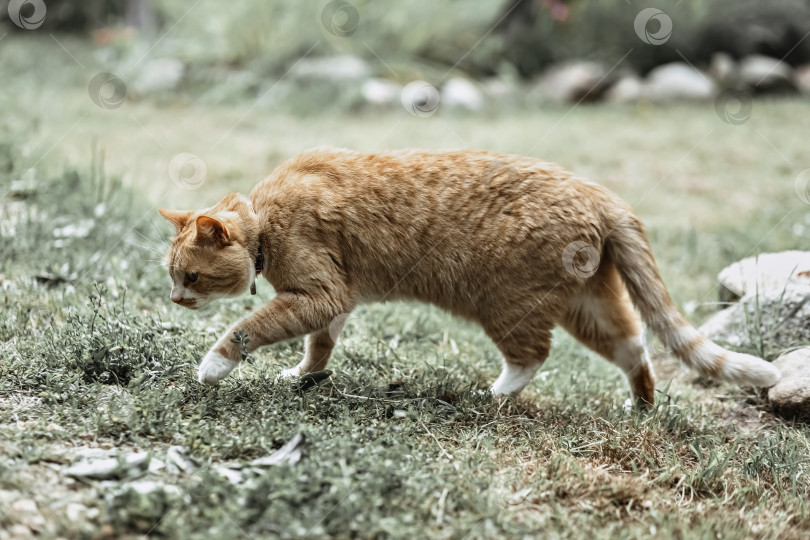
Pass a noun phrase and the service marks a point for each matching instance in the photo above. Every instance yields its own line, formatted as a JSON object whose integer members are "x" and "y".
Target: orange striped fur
{"x": 513, "y": 243}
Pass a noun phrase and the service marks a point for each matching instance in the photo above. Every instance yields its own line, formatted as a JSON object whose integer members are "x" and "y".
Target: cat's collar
{"x": 258, "y": 266}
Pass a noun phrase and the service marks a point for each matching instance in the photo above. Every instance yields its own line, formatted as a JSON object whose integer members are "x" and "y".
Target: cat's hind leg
{"x": 317, "y": 349}
{"x": 603, "y": 319}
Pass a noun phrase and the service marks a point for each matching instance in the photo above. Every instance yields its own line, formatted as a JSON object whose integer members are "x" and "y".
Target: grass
{"x": 402, "y": 441}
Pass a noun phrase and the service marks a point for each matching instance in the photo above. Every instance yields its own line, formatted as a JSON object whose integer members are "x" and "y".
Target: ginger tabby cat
{"x": 513, "y": 243}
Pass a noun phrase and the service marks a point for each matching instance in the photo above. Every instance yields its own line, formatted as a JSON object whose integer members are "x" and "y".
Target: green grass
{"x": 403, "y": 440}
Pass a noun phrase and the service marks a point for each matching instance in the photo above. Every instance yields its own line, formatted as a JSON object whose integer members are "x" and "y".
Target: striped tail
{"x": 628, "y": 247}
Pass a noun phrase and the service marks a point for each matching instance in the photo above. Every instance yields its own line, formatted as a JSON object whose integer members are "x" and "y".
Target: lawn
{"x": 402, "y": 440}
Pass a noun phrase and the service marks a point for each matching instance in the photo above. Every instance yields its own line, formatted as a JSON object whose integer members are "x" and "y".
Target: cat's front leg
{"x": 287, "y": 316}
{"x": 215, "y": 367}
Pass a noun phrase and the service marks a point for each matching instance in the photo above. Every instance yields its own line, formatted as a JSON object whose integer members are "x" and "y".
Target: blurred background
{"x": 227, "y": 90}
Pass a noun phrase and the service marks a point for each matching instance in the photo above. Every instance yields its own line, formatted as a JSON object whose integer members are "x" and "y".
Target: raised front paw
{"x": 214, "y": 368}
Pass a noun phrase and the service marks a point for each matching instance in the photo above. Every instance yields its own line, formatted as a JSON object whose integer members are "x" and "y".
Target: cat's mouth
{"x": 189, "y": 303}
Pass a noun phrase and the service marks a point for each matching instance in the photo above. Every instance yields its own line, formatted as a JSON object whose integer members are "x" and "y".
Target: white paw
{"x": 214, "y": 368}
{"x": 628, "y": 405}
{"x": 289, "y": 373}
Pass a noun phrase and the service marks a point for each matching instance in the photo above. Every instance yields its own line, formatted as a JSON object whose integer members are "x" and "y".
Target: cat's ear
{"x": 178, "y": 218}
{"x": 213, "y": 230}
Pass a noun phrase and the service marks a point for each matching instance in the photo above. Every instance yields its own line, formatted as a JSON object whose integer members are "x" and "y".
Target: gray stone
{"x": 627, "y": 89}
{"x": 25, "y": 511}
{"x": 381, "y": 91}
{"x": 159, "y": 75}
{"x": 103, "y": 466}
{"x": 775, "y": 318}
{"x": 790, "y": 397}
{"x": 575, "y": 81}
{"x": 801, "y": 76}
{"x": 458, "y": 93}
{"x": 768, "y": 271}
{"x": 141, "y": 505}
{"x": 678, "y": 81}
{"x": 723, "y": 69}
{"x": 178, "y": 460}
{"x": 333, "y": 68}
{"x": 289, "y": 454}
{"x": 766, "y": 74}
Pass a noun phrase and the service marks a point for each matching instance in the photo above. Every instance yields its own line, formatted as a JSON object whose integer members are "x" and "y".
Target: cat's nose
{"x": 177, "y": 295}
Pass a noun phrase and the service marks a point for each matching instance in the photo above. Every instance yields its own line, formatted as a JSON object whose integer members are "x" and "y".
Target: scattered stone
{"x": 76, "y": 512}
{"x": 766, "y": 74}
{"x": 102, "y": 466}
{"x": 25, "y": 512}
{"x": 678, "y": 80}
{"x": 576, "y": 81}
{"x": 768, "y": 271}
{"x": 20, "y": 532}
{"x": 627, "y": 89}
{"x": 159, "y": 75}
{"x": 381, "y": 91}
{"x": 178, "y": 460}
{"x": 289, "y": 454}
{"x": 496, "y": 88}
{"x": 140, "y": 505}
{"x": 777, "y": 318}
{"x": 459, "y": 93}
{"x": 333, "y": 68}
{"x": 790, "y": 397}
{"x": 723, "y": 69}
{"x": 801, "y": 76}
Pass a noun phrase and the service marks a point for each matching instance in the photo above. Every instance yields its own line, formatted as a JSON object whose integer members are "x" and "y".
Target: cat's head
{"x": 208, "y": 258}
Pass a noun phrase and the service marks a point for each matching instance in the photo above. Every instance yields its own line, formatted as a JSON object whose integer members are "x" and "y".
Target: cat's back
{"x": 348, "y": 171}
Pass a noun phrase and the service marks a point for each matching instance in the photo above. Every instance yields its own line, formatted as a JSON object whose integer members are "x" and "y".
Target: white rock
{"x": 768, "y": 271}
{"x": 781, "y": 318}
{"x": 766, "y": 74}
{"x": 75, "y": 512}
{"x": 25, "y": 511}
{"x": 497, "y": 88}
{"x": 627, "y": 89}
{"x": 335, "y": 68}
{"x": 724, "y": 69}
{"x": 102, "y": 468}
{"x": 575, "y": 81}
{"x": 678, "y": 80}
{"x": 458, "y": 93}
{"x": 801, "y": 76}
{"x": 381, "y": 91}
{"x": 159, "y": 75}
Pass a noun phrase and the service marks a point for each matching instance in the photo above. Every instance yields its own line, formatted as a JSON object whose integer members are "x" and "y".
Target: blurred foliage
{"x": 424, "y": 38}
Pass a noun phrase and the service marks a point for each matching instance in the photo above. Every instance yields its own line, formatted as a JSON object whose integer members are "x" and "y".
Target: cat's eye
{"x": 192, "y": 276}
